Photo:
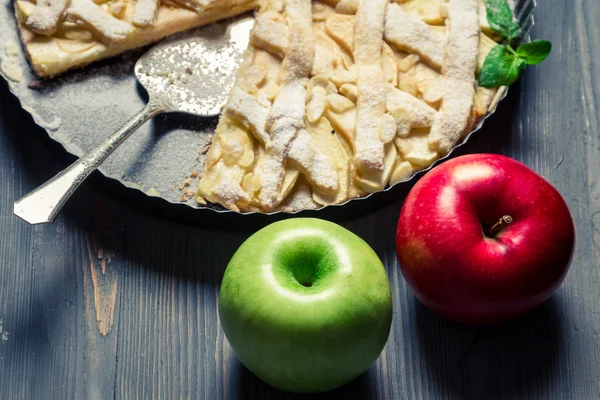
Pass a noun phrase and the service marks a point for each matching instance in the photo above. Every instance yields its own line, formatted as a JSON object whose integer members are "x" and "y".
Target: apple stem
{"x": 505, "y": 220}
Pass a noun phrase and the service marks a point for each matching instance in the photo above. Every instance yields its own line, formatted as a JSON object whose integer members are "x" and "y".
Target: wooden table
{"x": 112, "y": 302}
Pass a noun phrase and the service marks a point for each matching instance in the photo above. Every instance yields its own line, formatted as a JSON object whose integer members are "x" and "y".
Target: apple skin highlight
{"x": 306, "y": 305}
{"x": 459, "y": 266}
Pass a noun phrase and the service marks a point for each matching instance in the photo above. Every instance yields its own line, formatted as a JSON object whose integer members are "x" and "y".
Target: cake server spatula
{"x": 191, "y": 74}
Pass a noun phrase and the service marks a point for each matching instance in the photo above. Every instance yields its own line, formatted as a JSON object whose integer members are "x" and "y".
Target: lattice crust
{"x": 344, "y": 101}
{"x": 62, "y": 34}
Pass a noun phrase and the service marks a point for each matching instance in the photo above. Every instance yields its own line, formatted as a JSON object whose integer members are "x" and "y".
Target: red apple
{"x": 482, "y": 238}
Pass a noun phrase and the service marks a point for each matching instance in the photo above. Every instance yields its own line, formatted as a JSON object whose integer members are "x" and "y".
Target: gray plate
{"x": 80, "y": 108}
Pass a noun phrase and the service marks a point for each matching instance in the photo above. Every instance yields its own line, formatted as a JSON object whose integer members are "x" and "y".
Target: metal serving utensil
{"x": 188, "y": 74}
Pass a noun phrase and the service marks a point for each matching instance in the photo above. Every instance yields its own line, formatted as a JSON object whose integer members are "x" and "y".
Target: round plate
{"x": 80, "y": 108}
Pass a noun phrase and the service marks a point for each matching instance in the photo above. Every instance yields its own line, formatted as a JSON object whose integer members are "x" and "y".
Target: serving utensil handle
{"x": 43, "y": 204}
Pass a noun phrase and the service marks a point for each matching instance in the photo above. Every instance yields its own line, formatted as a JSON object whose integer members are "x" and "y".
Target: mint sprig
{"x": 504, "y": 64}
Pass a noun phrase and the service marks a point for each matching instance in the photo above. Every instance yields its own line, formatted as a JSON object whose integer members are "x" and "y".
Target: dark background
{"x": 117, "y": 299}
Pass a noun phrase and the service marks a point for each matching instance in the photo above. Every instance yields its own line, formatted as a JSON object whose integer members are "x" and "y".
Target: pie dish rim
{"x": 529, "y": 5}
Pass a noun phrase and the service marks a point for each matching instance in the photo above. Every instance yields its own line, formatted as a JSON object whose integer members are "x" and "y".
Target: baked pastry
{"x": 59, "y": 35}
{"x": 340, "y": 98}
{"x": 335, "y": 99}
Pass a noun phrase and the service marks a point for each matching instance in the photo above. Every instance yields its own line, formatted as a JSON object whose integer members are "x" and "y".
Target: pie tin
{"x": 82, "y": 107}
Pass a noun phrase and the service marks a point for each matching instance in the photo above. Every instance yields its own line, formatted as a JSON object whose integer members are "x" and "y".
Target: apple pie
{"x": 335, "y": 99}
{"x": 340, "y": 98}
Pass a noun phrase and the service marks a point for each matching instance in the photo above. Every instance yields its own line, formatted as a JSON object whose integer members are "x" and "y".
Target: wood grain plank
{"x": 588, "y": 34}
{"x": 101, "y": 271}
{"x": 36, "y": 281}
{"x": 112, "y": 303}
{"x": 52, "y": 279}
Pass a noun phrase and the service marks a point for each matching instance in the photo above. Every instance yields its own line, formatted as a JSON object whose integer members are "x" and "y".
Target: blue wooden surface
{"x": 112, "y": 302}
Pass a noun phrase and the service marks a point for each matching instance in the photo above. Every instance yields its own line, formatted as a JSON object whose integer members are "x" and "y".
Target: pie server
{"x": 180, "y": 75}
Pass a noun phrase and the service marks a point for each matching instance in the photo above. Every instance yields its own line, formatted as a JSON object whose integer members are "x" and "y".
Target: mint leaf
{"x": 509, "y": 69}
{"x": 489, "y": 76}
{"x": 500, "y": 68}
{"x": 500, "y": 18}
{"x": 503, "y": 64}
{"x": 535, "y": 51}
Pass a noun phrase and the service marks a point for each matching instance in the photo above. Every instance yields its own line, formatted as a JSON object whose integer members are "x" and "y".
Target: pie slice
{"x": 59, "y": 35}
{"x": 337, "y": 99}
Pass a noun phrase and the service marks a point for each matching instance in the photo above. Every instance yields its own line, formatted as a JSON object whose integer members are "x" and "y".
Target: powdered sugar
{"x": 368, "y": 32}
{"x": 368, "y": 41}
{"x": 407, "y": 32}
{"x": 286, "y": 118}
{"x": 144, "y": 13}
{"x": 270, "y": 35}
{"x": 369, "y": 152}
{"x": 459, "y": 73}
{"x": 46, "y": 15}
{"x": 246, "y": 108}
{"x": 107, "y": 27}
{"x": 408, "y": 111}
{"x": 313, "y": 164}
{"x": 193, "y": 75}
{"x": 301, "y": 199}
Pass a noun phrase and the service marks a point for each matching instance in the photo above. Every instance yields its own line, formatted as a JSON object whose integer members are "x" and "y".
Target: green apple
{"x": 306, "y": 305}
